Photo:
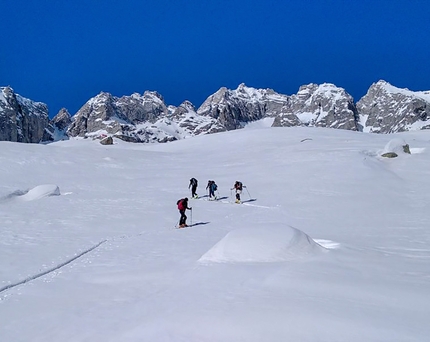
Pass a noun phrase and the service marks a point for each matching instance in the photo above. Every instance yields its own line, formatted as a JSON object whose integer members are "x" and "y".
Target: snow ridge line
{"x": 41, "y": 274}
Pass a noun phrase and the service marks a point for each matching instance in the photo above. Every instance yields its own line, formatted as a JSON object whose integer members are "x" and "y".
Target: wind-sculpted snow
{"x": 265, "y": 243}
{"x": 35, "y": 193}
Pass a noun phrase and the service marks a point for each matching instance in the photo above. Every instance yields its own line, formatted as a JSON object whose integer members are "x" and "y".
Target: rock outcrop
{"x": 322, "y": 105}
{"x": 233, "y": 108}
{"x": 58, "y": 126}
{"x": 21, "y": 119}
{"x": 388, "y": 109}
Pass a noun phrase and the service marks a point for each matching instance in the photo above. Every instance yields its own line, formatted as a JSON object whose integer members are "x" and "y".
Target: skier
{"x": 212, "y": 188}
{"x": 193, "y": 186}
{"x": 238, "y": 186}
{"x": 182, "y": 206}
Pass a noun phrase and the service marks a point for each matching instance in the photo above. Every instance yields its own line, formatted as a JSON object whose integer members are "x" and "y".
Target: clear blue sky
{"x": 63, "y": 53}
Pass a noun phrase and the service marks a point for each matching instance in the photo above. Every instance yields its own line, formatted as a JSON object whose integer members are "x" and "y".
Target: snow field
{"x": 336, "y": 239}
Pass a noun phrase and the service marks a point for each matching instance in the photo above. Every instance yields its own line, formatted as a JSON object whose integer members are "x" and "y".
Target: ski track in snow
{"x": 243, "y": 203}
{"x": 50, "y": 270}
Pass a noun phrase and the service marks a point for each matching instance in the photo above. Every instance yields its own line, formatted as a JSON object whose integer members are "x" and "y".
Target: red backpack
{"x": 180, "y": 204}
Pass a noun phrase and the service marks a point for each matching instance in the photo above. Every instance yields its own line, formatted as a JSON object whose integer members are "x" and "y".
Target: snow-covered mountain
{"x": 388, "y": 109}
{"x": 314, "y": 105}
{"x": 59, "y": 125}
{"x": 322, "y": 105}
{"x": 147, "y": 118}
{"x": 233, "y": 108}
{"x": 139, "y": 118}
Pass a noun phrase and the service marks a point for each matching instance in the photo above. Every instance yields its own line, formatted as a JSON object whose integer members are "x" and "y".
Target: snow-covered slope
{"x": 330, "y": 244}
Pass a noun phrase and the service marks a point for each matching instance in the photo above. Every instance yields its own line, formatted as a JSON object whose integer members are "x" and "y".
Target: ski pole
{"x": 191, "y": 216}
{"x": 248, "y": 193}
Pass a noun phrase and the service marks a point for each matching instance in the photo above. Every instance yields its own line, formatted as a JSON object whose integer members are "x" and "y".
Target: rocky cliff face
{"x": 58, "y": 126}
{"x": 139, "y": 118}
{"x": 233, "y": 108}
{"x": 388, "y": 109}
{"x": 322, "y": 105}
{"x": 21, "y": 120}
{"x": 146, "y": 117}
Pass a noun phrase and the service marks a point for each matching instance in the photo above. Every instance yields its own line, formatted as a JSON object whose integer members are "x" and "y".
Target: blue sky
{"x": 63, "y": 53}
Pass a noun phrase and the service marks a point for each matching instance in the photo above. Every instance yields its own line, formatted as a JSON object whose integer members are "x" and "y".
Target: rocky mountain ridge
{"x": 147, "y": 118}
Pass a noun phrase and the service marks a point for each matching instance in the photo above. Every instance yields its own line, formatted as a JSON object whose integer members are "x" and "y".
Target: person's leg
{"x": 183, "y": 218}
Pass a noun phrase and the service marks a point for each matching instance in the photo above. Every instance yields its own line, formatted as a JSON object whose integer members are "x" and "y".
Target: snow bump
{"x": 266, "y": 243}
{"x": 41, "y": 191}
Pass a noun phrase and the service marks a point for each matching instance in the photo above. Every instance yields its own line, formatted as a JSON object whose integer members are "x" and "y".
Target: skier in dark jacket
{"x": 193, "y": 186}
{"x": 238, "y": 186}
{"x": 182, "y": 206}
{"x": 212, "y": 188}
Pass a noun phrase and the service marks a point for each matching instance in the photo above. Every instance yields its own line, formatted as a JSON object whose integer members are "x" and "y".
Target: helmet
{"x": 186, "y": 198}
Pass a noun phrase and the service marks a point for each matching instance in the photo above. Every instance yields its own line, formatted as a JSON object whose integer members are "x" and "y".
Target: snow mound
{"x": 269, "y": 243}
{"x": 41, "y": 191}
{"x": 396, "y": 146}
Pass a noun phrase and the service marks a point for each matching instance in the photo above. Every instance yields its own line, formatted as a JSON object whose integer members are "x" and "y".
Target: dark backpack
{"x": 238, "y": 185}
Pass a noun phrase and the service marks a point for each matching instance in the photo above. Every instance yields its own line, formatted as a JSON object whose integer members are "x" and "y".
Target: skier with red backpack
{"x": 182, "y": 206}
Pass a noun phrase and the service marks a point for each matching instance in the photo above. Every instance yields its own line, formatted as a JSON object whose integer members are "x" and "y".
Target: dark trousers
{"x": 193, "y": 190}
{"x": 183, "y": 218}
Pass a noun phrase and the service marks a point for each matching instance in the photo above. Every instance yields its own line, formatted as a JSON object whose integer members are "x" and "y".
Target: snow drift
{"x": 396, "y": 145}
{"x": 39, "y": 192}
{"x": 265, "y": 243}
